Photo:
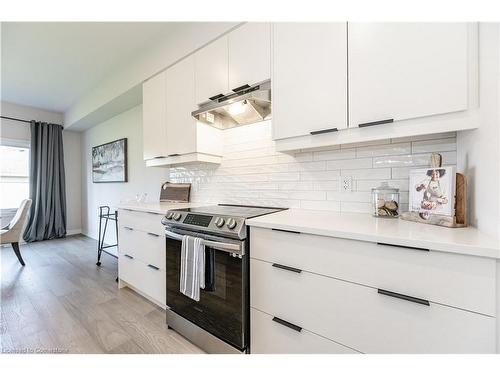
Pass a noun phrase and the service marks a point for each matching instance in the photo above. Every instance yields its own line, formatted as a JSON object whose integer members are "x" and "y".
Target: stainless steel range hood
{"x": 246, "y": 105}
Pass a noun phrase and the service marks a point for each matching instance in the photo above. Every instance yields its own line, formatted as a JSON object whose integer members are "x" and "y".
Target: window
{"x": 14, "y": 179}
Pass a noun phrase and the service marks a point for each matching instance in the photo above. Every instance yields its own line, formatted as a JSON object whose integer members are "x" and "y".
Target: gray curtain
{"x": 47, "y": 218}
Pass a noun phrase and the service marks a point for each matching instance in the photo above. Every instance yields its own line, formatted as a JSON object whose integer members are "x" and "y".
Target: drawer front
{"x": 145, "y": 221}
{"x": 461, "y": 281}
{"x": 148, "y": 247}
{"x": 129, "y": 269}
{"x": 359, "y": 317}
{"x": 269, "y": 337}
{"x": 144, "y": 278}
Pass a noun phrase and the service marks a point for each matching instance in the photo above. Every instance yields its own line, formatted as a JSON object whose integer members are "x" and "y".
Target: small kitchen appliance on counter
{"x": 219, "y": 321}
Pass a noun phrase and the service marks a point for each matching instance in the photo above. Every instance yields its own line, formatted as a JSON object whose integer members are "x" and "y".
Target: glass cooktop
{"x": 245, "y": 212}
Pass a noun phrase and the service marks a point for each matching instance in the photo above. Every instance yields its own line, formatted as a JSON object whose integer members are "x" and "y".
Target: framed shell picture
{"x": 432, "y": 191}
{"x": 109, "y": 162}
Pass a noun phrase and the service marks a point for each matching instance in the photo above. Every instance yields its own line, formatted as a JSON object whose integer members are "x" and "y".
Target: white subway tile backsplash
{"x": 334, "y": 154}
{"x": 285, "y": 177}
{"x": 319, "y": 175}
{"x": 434, "y": 145}
{"x": 368, "y": 174}
{"x": 254, "y": 173}
{"x": 326, "y": 185}
{"x": 383, "y": 150}
{"x": 320, "y": 205}
{"x": 297, "y": 186}
{"x": 349, "y": 164}
{"x": 355, "y": 196}
{"x": 360, "y": 207}
{"x": 367, "y": 185}
{"x": 308, "y": 195}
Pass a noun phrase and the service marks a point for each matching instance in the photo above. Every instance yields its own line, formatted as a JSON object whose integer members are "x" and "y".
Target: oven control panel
{"x": 199, "y": 220}
{"x": 234, "y": 227}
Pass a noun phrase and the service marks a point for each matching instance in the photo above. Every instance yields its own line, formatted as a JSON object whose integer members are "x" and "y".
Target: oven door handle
{"x": 224, "y": 246}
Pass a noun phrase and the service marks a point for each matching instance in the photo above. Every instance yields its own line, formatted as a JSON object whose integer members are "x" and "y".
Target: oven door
{"x": 222, "y": 309}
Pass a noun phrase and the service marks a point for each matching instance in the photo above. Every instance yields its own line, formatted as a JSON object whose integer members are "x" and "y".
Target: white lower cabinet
{"x": 141, "y": 248}
{"x": 144, "y": 277}
{"x": 270, "y": 337}
{"x": 331, "y": 300}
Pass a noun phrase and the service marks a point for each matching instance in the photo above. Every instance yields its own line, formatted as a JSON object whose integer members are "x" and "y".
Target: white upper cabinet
{"x": 400, "y": 71}
{"x": 153, "y": 117}
{"x": 180, "y": 98}
{"x": 249, "y": 54}
{"x": 309, "y": 78}
{"x": 211, "y": 70}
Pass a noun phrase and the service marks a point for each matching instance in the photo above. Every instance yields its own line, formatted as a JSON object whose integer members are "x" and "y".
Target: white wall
{"x": 19, "y": 131}
{"x": 140, "y": 178}
{"x": 479, "y": 150}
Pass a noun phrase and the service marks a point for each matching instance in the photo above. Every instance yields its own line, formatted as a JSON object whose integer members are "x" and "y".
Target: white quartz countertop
{"x": 155, "y": 207}
{"x": 364, "y": 227}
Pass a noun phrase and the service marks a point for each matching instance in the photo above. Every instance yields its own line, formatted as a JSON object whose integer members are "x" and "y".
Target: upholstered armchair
{"x": 12, "y": 232}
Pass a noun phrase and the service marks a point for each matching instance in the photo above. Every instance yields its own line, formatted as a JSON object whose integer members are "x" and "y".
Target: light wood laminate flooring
{"x": 61, "y": 302}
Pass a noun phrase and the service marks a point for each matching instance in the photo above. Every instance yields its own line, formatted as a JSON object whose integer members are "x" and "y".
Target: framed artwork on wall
{"x": 109, "y": 162}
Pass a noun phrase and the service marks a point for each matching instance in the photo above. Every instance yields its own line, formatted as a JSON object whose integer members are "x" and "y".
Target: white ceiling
{"x": 50, "y": 65}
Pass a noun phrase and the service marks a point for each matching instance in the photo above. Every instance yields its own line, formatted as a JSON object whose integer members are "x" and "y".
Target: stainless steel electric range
{"x": 219, "y": 321}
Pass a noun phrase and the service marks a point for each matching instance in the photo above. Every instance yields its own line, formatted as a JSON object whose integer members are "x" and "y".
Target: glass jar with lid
{"x": 385, "y": 200}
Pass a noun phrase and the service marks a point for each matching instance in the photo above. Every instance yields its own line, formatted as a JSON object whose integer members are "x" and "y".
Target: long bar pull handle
{"x": 153, "y": 234}
{"x": 153, "y": 267}
{"x": 129, "y": 256}
{"x": 173, "y": 155}
{"x": 215, "y": 97}
{"x": 287, "y": 268}
{"x": 316, "y": 132}
{"x": 242, "y": 87}
{"x": 287, "y": 324}
{"x": 404, "y": 247}
{"x": 128, "y": 228}
{"x": 373, "y": 123}
{"x": 404, "y": 297}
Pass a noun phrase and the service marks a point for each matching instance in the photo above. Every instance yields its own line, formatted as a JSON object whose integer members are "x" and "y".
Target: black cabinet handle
{"x": 153, "y": 267}
{"x": 128, "y": 228}
{"x": 373, "y": 123}
{"x": 242, "y": 87}
{"x": 158, "y": 157}
{"x": 129, "y": 256}
{"x": 403, "y": 296}
{"x": 404, "y": 247}
{"x": 287, "y": 268}
{"x": 287, "y": 324}
{"x": 323, "y": 131}
{"x": 173, "y": 155}
{"x": 284, "y": 230}
{"x": 153, "y": 234}
{"x": 215, "y": 97}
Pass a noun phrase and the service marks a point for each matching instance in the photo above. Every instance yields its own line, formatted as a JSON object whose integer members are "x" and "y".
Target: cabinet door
{"x": 211, "y": 66}
{"x": 154, "y": 132}
{"x": 309, "y": 78}
{"x": 406, "y": 70}
{"x": 249, "y": 54}
{"x": 181, "y": 126}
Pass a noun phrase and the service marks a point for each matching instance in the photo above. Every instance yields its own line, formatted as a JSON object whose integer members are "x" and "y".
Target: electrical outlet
{"x": 346, "y": 183}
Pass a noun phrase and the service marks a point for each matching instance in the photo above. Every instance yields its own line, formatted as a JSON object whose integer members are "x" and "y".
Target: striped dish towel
{"x": 192, "y": 267}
